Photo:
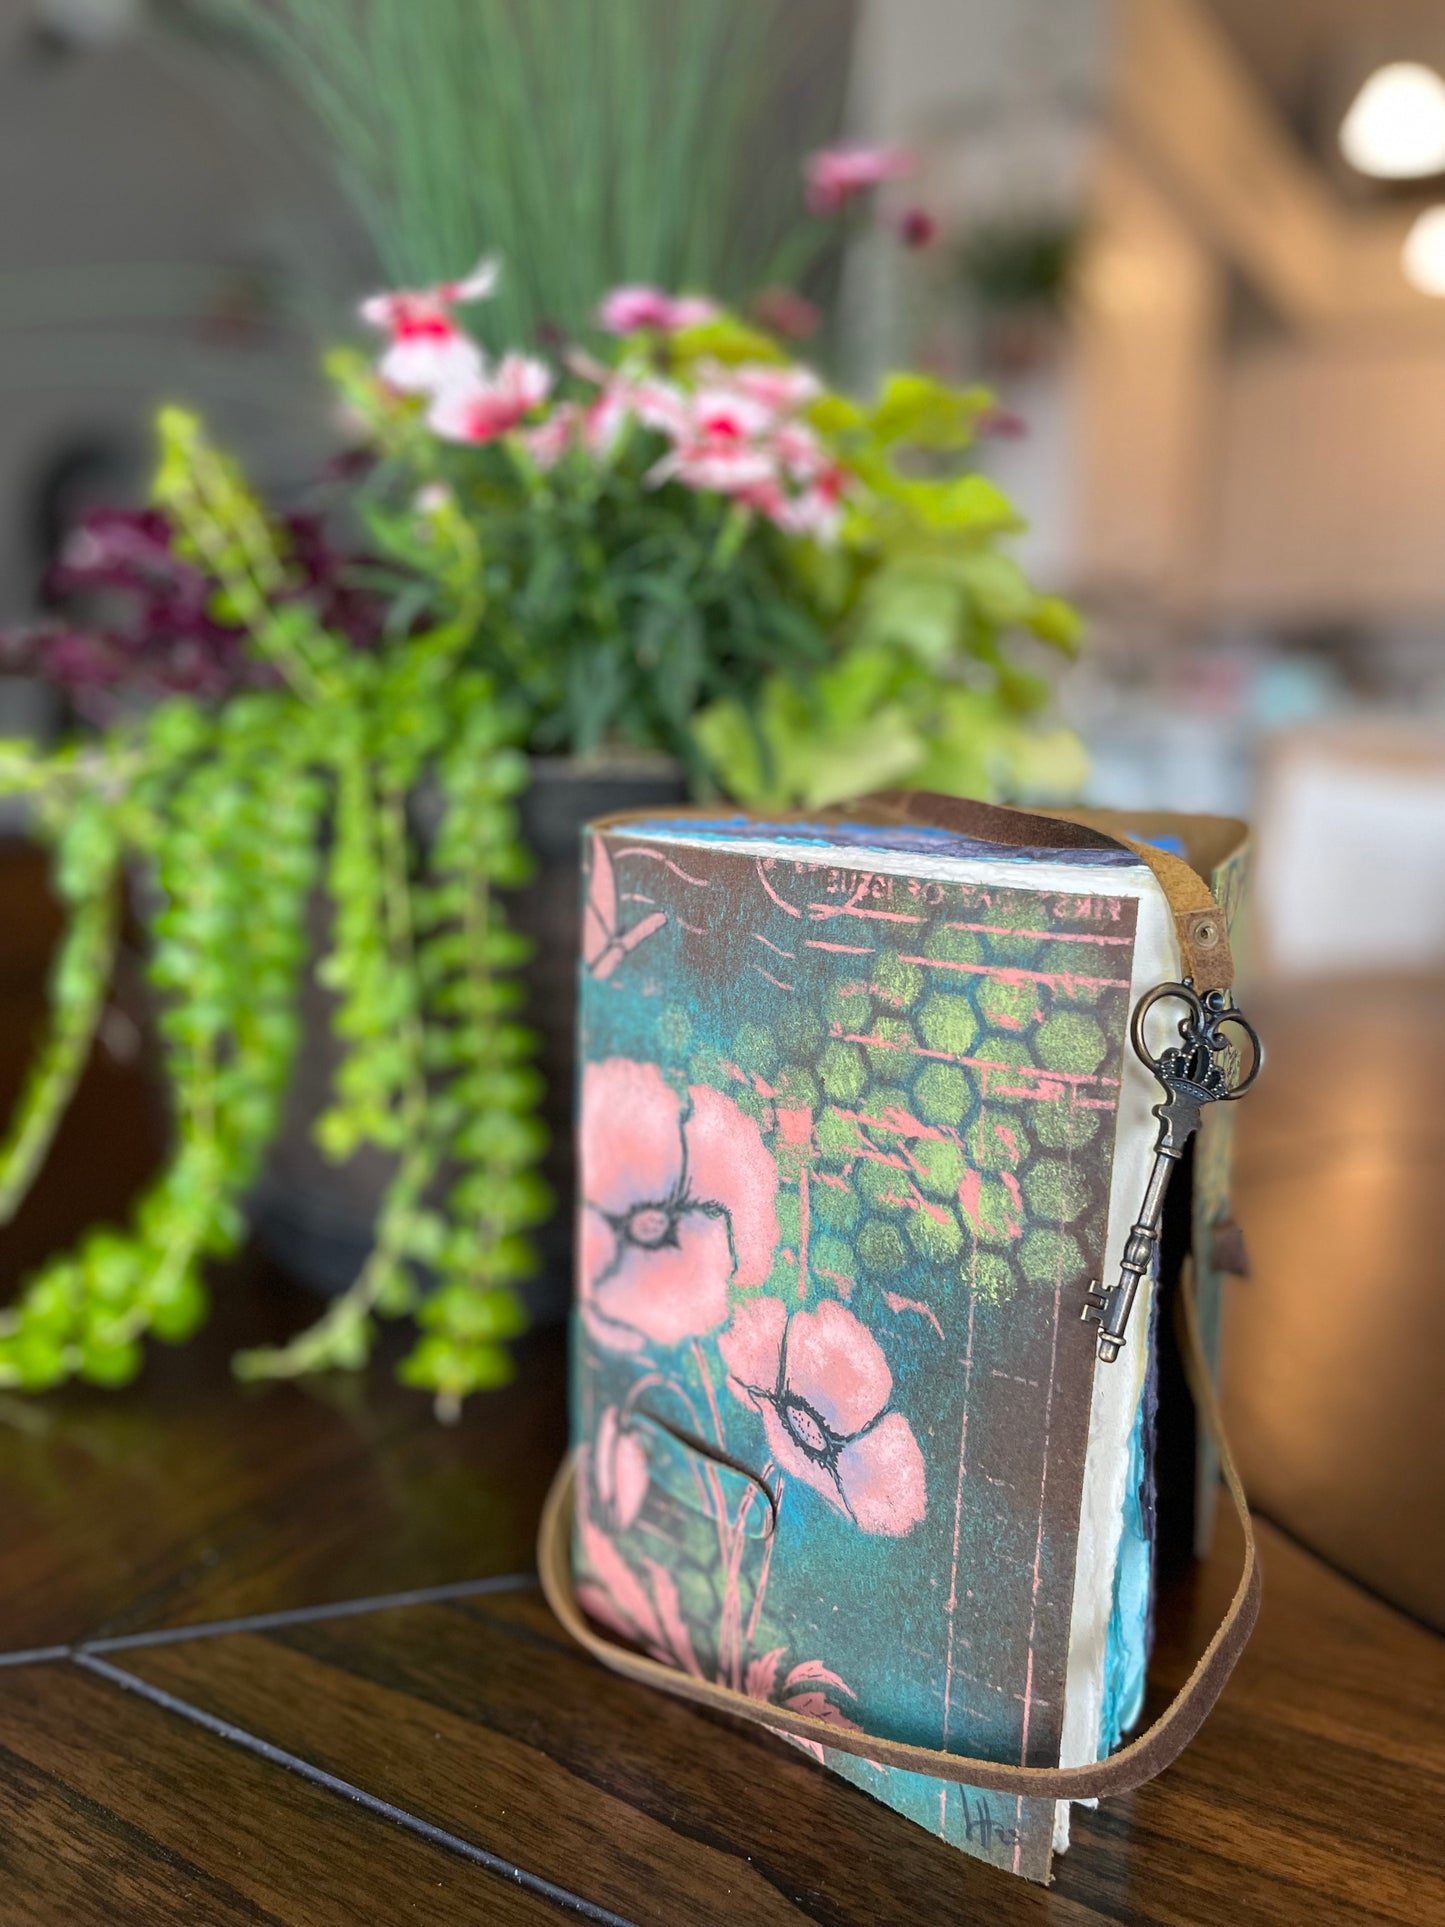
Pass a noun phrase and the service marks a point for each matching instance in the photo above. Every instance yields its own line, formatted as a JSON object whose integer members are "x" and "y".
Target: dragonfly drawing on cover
{"x": 1202, "y": 1068}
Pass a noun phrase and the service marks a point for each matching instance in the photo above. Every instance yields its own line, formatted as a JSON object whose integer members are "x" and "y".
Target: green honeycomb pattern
{"x": 956, "y": 1113}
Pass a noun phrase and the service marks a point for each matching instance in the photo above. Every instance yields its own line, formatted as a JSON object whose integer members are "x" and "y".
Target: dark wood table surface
{"x": 276, "y": 1655}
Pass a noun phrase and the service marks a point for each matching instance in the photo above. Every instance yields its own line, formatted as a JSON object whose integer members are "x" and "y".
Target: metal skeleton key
{"x": 1193, "y": 1074}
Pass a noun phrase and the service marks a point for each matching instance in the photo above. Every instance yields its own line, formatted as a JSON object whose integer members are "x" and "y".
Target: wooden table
{"x": 276, "y": 1655}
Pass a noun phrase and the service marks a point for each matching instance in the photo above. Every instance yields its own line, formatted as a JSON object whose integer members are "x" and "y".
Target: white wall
{"x": 146, "y": 189}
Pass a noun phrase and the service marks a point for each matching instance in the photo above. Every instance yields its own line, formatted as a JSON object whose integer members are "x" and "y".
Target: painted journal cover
{"x": 849, "y": 1106}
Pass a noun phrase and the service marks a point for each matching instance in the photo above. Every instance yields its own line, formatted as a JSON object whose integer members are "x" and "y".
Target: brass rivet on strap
{"x": 1205, "y": 934}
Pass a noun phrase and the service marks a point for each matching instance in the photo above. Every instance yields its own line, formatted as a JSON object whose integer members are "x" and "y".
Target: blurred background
{"x": 1191, "y": 244}
{"x": 1197, "y": 247}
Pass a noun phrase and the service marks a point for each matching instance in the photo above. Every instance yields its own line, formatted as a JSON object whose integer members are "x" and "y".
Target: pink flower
{"x": 550, "y": 440}
{"x": 822, "y": 1385}
{"x": 816, "y": 512}
{"x": 428, "y": 350}
{"x": 719, "y": 442}
{"x": 678, "y": 1206}
{"x": 836, "y": 175}
{"x": 605, "y": 417}
{"x": 483, "y": 406}
{"x": 737, "y": 435}
{"x": 597, "y": 426}
{"x": 620, "y": 1469}
{"x": 627, "y": 310}
{"x": 658, "y": 404}
{"x": 720, "y": 468}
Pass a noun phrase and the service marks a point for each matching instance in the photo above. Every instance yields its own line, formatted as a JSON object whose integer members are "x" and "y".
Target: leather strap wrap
{"x": 1198, "y": 922}
{"x": 1154, "y": 1749}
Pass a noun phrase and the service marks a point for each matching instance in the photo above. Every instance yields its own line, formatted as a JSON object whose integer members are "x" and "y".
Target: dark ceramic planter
{"x": 314, "y": 1218}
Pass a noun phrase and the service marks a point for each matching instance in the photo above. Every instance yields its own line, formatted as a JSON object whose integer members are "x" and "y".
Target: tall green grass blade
{"x": 588, "y": 141}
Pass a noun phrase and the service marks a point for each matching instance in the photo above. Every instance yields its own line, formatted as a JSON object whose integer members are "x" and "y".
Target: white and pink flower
{"x": 731, "y": 431}
{"x": 595, "y": 426}
{"x": 837, "y": 175}
{"x": 738, "y": 435}
{"x": 783, "y": 388}
{"x": 551, "y": 438}
{"x": 487, "y": 404}
{"x": 428, "y": 348}
{"x": 635, "y": 307}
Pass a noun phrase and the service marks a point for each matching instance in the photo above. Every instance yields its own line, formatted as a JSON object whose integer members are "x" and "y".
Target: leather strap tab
{"x": 1198, "y": 921}
{"x": 1156, "y": 1748}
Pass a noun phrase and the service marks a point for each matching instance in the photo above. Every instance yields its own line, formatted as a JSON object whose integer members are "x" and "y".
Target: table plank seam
{"x": 285, "y": 1616}
{"x": 331, "y": 1783}
{"x": 306, "y": 1615}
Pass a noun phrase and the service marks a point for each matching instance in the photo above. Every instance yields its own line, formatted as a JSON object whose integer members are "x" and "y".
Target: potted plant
{"x": 681, "y": 543}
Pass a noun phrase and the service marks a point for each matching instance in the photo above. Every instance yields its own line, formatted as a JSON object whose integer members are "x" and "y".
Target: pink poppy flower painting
{"x": 821, "y": 1384}
{"x": 678, "y": 1206}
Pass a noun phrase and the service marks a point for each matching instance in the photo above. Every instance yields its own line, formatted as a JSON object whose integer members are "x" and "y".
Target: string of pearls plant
{"x": 222, "y": 810}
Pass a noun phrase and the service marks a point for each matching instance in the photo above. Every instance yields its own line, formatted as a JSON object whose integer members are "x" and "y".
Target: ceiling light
{"x": 1395, "y": 128}
{"x": 1423, "y": 255}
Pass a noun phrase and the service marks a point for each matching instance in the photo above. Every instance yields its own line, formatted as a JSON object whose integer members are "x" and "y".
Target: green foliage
{"x": 613, "y": 613}
{"x": 778, "y": 671}
{"x": 929, "y": 689}
{"x": 591, "y": 603}
{"x": 221, "y": 811}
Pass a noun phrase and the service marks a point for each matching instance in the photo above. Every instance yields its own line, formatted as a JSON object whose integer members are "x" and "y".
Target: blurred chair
{"x": 1351, "y": 827}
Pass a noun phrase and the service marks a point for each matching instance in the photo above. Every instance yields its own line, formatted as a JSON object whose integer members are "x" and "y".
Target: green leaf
{"x": 927, "y": 413}
{"x": 724, "y": 339}
{"x": 177, "y": 1306}
{"x": 1057, "y": 622}
{"x": 915, "y": 607}
{"x": 463, "y": 1311}
{"x": 110, "y": 1364}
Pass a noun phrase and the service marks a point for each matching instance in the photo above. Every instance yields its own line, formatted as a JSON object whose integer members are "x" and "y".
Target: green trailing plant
{"x": 219, "y": 809}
